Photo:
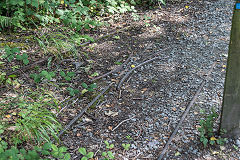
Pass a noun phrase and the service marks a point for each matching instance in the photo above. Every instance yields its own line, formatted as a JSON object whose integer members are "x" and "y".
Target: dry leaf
{"x": 12, "y": 128}
{"x": 107, "y": 105}
{"x": 144, "y": 90}
{"x": 111, "y": 113}
{"x": 8, "y": 116}
{"x": 165, "y": 118}
{"x": 110, "y": 127}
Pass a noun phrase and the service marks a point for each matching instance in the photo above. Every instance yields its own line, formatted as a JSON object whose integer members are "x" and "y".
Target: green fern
{"x": 5, "y": 22}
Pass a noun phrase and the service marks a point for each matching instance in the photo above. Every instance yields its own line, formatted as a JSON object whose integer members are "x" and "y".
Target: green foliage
{"x": 77, "y": 14}
{"x": 126, "y": 146}
{"x": 109, "y": 146}
{"x": 67, "y": 76}
{"x": 8, "y": 80}
{"x": 88, "y": 88}
{"x": 23, "y": 58}
{"x": 108, "y": 155}
{"x": 33, "y": 120}
{"x": 60, "y": 152}
{"x": 41, "y": 76}
{"x": 11, "y": 53}
{"x": 48, "y": 149}
{"x": 207, "y": 135}
{"x": 86, "y": 155}
{"x": 72, "y": 92}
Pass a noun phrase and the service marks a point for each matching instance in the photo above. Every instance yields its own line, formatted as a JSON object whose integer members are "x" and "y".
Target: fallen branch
{"x": 185, "y": 113}
{"x": 23, "y": 69}
{"x": 102, "y": 37}
{"x": 123, "y": 122}
{"x": 120, "y": 67}
{"x": 114, "y": 70}
{"x": 128, "y": 73}
{"x": 83, "y": 111}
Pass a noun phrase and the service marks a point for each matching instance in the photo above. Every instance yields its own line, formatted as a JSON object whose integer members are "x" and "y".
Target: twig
{"x": 137, "y": 156}
{"x": 98, "y": 148}
{"x": 114, "y": 70}
{"x": 120, "y": 67}
{"x": 128, "y": 73}
{"x": 27, "y": 67}
{"x": 107, "y": 35}
{"x": 185, "y": 113}
{"x": 123, "y": 122}
{"x": 83, "y": 111}
{"x": 66, "y": 105}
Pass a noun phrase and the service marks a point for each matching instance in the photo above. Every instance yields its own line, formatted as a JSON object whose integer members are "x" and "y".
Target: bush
{"x": 75, "y": 13}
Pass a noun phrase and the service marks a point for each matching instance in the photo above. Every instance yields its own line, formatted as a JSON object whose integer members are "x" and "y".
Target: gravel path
{"x": 156, "y": 94}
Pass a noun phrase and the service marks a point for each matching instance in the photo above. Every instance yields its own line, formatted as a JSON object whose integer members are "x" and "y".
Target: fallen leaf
{"x": 186, "y": 7}
{"x": 133, "y": 66}
{"x": 111, "y": 113}
{"x": 85, "y": 119}
{"x": 174, "y": 109}
{"x": 12, "y": 128}
{"x": 107, "y": 105}
{"x": 177, "y": 153}
{"x": 144, "y": 90}
{"x": 222, "y": 148}
{"x": 213, "y": 139}
{"x": 8, "y": 116}
{"x": 215, "y": 152}
{"x": 110, "y": 127}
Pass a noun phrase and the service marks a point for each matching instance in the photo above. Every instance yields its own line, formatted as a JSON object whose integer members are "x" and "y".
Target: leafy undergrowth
{"x": 34, "y": 88}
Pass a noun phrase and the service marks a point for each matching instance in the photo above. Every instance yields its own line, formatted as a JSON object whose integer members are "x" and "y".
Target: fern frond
{"x": 5, "y": 22}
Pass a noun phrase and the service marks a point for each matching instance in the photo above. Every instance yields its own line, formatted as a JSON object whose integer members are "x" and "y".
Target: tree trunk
{"x": 230, "y": 117}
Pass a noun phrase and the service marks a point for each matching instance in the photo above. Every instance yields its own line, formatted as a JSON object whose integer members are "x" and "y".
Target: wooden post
{"x": 230, "y": 117}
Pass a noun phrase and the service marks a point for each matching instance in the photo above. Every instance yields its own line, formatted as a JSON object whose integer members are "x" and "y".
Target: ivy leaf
{"x": 10, "y": 58}
{"x": 67, "y": 78}
{"x": 19, "y": 57}
{"x": 25, "y": 61}
{"x": 92, "y": 86}
{"x": 71, "y": 74}
{"x": 15, "y": 50}
{"x": 62, "y": 74}
{"x": 84, "y": 85}
{"x": 94, "y": 74}
{"x": 110, "y": 154}
{"x": 44, "y": 73}
{"x": 89, "y": 155}
{"x": 82, "y": 151}
{"x": 84, "y": 91}
{"x": 24, "y": 56}
{"x": 52, "y": 74}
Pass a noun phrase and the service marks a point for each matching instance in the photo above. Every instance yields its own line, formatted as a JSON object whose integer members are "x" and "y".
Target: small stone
{"x": 195, "y": 151}
{"x": 238, "y": 142}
